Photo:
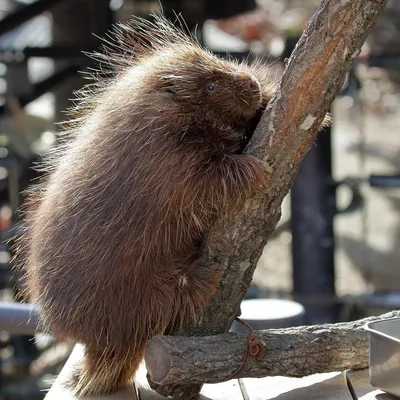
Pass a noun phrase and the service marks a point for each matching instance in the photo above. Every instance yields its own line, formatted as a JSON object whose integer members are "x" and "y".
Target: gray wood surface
{"x": 328, "y": 386}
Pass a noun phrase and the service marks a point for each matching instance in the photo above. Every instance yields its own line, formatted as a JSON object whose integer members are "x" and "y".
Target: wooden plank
{"x": 222, "y": 391}
{"x": 363, "y": 388}
{"x": 59, "y": 392}
{"x": 329, "y": 386}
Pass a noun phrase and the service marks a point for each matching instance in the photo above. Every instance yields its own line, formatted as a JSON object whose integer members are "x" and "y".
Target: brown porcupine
{"x": 111, "y": 251}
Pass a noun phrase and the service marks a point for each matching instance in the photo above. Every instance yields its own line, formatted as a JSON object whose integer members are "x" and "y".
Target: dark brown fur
{"x": 111, "y": 253}
{"x": 112, "y": 250}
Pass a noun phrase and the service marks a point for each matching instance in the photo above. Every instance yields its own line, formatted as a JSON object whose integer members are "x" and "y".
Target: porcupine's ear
{"x": 166, "y": 83}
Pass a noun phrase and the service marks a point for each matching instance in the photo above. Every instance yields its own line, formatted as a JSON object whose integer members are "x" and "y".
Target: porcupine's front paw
{"x": 252, "y": 172}
{"x": 267, "y": 171}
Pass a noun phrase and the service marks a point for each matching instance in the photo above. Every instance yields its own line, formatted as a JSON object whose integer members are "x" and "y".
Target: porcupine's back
{"x": 99, "y": 215}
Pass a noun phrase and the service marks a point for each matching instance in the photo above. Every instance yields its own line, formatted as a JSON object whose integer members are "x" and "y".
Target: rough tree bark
{"x": 294, "y": 352}
{"x": 313, "y": 76}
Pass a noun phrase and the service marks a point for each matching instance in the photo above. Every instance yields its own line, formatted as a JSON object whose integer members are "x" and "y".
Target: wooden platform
{"x": 330, "y": 386}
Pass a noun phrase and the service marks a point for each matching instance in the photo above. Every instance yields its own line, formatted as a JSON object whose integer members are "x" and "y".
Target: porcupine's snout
{"x": 250, "y": 93}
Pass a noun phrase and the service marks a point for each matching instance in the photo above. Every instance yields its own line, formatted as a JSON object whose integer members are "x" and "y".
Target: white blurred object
{"x": 269, "y": 314}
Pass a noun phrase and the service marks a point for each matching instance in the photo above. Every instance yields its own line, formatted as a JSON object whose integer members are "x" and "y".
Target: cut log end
{"x": 158, "y": 362}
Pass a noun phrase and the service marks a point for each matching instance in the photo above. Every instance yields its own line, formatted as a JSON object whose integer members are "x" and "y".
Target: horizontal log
{"x": 295, "y": 352}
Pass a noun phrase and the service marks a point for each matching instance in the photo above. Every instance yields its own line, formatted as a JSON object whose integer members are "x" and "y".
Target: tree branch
{"x": 313, "y": 76}
{"x": 211, "y": 359}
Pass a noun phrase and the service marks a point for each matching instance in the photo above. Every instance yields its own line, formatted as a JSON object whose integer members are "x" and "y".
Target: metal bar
{"x": 313, "y": 207}
{"x": 384, "y": 60}
{"x": 15, "y": 19}
{"x": 59, "y": 51}
{"x": 385, "y": 181}
{"x": 18, "y": 318}
{"x": 9, "y": 55}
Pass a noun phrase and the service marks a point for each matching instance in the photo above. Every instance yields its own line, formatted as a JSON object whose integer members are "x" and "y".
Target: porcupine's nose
{"x": 251, "y": 82}
{"x": 255, "y": 85}
{"x": 252, "y": 89}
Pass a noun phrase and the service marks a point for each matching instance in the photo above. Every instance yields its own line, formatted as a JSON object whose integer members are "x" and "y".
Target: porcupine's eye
{"x": 211, "y": 87}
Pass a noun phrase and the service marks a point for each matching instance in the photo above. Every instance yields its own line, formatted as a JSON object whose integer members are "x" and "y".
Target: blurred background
{"x": 335, "y": 251}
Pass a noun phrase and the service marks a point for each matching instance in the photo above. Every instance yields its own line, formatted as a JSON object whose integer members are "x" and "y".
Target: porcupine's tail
{"x": 105, "y": 372}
